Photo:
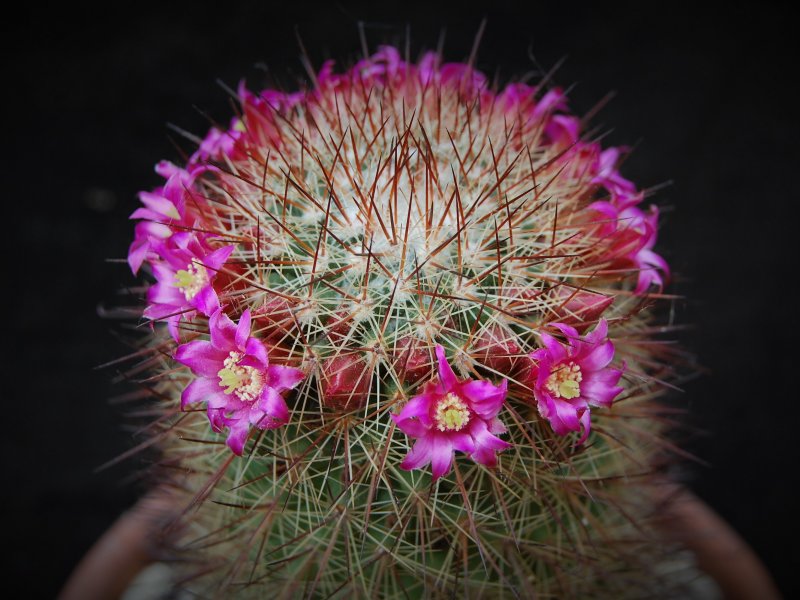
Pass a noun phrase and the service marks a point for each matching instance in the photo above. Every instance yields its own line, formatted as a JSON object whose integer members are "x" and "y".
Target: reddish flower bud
{"x": 345, "y": 381}
{"x": 412, "y": 360}
{"x": 274, "y": 318}
{"x": 579, "y": 308}
{"x": 496, "y": 348}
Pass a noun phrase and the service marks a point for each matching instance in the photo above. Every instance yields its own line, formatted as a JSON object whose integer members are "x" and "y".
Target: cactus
{"x": 410, "y": 345}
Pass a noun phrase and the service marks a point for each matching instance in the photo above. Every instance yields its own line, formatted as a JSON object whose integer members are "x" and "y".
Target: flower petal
{"x": 418, "y": 407}
{"x": 496, "y": 426}
{"x": 485, "y": 398}
{"x": 569, "y": 332}
{"x": 156, "y": 312}
{"x": 224, "y": 401}
{"x": 650, "y": 258}
{"x": 486, "y": 444}
{"x": 554, "y": 348}
{"x": 598, "y": 357}
{"x": 462, "y": 442}
{"x": 164, "y": 292}
{"x": 282, "y": 378}
{"x": 562, "y": 415}
{"x": 216, "y": 417}
{"x": 446, "y": 375}
{"x": 483, "y": 438}
{"x": 198, "y": 391}
{"x": 419, "y": 455}
{"x": 222, "y": 330}
{"x": 485, "y": 456}
{"x": 441, "y": 455}
{"x": 137, "y": 253}
{"x": 276, "y": 413}
{"x": 201, "y": 357}
{"x": 411, "y": 427}
{"x": 160, "y": 205}
{"x": 567, "y": 415}
{"x": 237, "y": 436}
{"x": 255, "y": 415}
{"x": 206, "y": 300}
{"x": 243, "y": 330}
{"x": 586, "y": 426}
{"x": 598, "y": 334}
{"x": 600, "y": 388}
{"x": 256, "y": 355}
{"x": 174, "y": 323}
{"x": 217, "y": 258}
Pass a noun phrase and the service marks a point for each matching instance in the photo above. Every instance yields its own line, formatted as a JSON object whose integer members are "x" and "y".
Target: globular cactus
{"x": 410, "y": 348}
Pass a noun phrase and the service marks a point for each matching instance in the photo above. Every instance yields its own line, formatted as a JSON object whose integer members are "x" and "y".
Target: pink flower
{"x": 630, "y": 235}
{"x": 184, "y": 277}
{"x": 623, "y": 192}
{"x": 163, "y": 208}
{"x": 218, "y": 144}
{"x": 387, "y": 68}
{"x": 468, "y": 79}
{"x": 563, "y": 130}
{"x": 260, "y": 114}
{"x": 383, "y": 66}
{"x": 569, "y": 378}
{"x": 517, "y": 96}
{"x": 235, "y": 379}
{"x": 453, "y": 415}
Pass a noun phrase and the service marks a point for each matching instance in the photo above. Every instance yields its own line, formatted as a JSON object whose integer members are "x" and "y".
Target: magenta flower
{"x": 453, "y": 415}
{"x": 184, "y": 277}
{"x": 218, "y": 144}
{"x": 564, "y": 130}
{"x": 262, "y": 123}
{"x": 569, "y": 378}
{"x": 236, "y": 380}
{"x": 623, "y": 192}
{"x": 163, "y": 209}
{"x": 630, "y": 236}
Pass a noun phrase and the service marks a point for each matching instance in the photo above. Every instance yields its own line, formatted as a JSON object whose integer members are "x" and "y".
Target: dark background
{"x": 708, "y": 98}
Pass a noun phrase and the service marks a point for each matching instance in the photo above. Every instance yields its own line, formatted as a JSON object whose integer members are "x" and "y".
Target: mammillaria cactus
{"x": 409, "y": 347}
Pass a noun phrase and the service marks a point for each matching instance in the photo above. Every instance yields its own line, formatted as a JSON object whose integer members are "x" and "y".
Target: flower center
{"x": 565, "y": 381}
{"x": 191, "y": 280}
{"x": 245, "y": 382}
{"x": 452, "y": 414}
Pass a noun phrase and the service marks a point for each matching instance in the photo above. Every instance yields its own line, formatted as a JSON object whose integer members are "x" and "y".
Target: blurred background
{"x": 707, "y": 99}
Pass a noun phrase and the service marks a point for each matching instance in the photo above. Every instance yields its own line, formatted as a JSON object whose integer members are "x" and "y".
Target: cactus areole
{"x": 402, "y": 334}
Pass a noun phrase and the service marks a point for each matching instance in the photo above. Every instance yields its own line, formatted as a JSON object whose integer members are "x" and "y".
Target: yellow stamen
{"x": 565, "y": 381}
{"x": 452, "y": 413}
{"x": 191, "y": 280}
{"x": 245, "y": 382}
{"x": 229, "y": 379}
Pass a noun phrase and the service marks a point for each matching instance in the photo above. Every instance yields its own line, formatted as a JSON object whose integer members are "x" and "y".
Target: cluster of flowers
{"x": 243, "y": 390}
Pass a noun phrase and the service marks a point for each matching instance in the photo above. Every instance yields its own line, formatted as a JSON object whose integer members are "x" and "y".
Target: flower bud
{"x": 412, "y": 361}
{"x": 345, "y": 382}
{"x": 274, "y": 318}
{"x": 496, "y": 348}
{"x": 579, "y": 308}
